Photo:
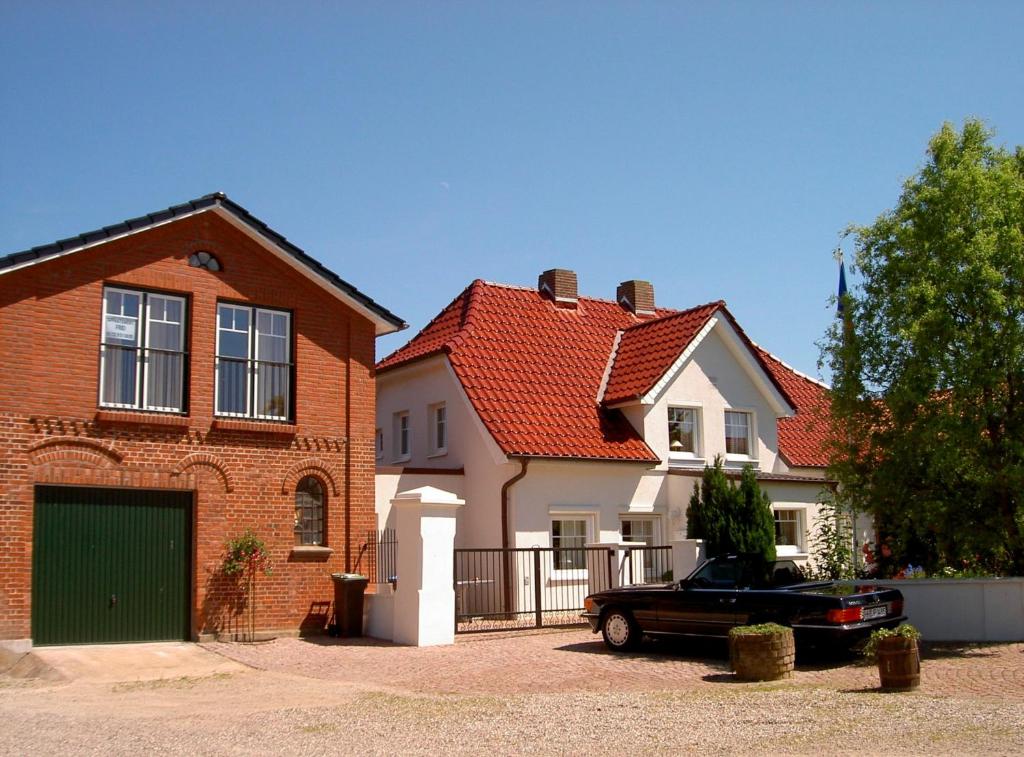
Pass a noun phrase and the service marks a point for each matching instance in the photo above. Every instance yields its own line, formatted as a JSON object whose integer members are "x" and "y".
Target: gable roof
{"x": 533, "y": 371}
{"x": 647, "y": 350}
{"x": 384, "y": 320}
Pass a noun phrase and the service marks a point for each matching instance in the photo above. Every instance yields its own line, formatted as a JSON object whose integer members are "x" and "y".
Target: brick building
{"x": 168, "y": 383}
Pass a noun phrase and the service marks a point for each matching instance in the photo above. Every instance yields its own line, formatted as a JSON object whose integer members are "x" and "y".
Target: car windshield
{"x": 746, "y": 574}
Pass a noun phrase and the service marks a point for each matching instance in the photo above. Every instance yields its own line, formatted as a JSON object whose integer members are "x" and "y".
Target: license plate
{"x": 870, "y": 613}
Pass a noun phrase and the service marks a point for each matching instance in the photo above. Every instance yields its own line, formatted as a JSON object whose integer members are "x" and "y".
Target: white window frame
{"x": 378, "y": 443}
{"x": 438, "y": 417}
{"x": 140, "y": 395}
{"x": 656, "y": 538}
{"x": 697, "y": 455}
{"x": 256, "y": 358}
{"x": 585, "y": 513}
{"x": 751, "y": 456}
{"x": 800, "y": 519}
{"x": 402, "y": 432}
{"x": 251, "y": 358}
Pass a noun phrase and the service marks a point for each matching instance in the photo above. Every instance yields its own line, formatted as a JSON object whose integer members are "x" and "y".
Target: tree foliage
{"x": 928, "y": 360}
{"x": 731, "y": 519}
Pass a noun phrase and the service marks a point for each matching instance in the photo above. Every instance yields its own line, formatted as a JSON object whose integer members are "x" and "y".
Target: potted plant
{"x": 764, "y": 652}
{"x": 244, "y": 558}
{"x": 896, "y": 652}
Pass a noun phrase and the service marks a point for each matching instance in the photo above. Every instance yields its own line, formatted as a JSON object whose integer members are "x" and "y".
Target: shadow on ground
{"x": 944, "y": 650}
{"x": 714, "y": 652}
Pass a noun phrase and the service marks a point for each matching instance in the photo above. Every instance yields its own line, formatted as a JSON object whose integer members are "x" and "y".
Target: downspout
{"x": 524, "y": 462}
{"x": 505, "y": 487}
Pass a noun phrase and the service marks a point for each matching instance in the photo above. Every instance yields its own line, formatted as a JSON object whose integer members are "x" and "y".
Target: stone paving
{"x": 577, "y": 661}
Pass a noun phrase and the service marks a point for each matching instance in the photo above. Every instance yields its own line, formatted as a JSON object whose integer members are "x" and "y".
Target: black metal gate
{"x": 504, "y": 589}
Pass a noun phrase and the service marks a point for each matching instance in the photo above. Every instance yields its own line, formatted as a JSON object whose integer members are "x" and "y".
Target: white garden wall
{"x": 984, "y": 609}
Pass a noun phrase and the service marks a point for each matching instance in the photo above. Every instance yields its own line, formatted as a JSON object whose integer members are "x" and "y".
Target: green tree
{"x": 928, "y": 360}
{"x": 731, "y": 519}
{"x": 754, "y": 521}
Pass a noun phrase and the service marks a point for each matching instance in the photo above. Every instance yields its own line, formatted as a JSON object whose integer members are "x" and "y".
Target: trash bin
{"x": 348, "y": 603}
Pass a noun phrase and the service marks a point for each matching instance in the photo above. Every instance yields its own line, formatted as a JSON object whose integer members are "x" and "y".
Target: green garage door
{"x": 110, "y": 565}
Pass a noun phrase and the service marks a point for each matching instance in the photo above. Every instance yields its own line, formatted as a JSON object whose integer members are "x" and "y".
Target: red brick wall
{"x": 243, "y": 477}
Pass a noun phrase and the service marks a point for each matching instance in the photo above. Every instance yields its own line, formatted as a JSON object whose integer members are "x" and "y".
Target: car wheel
{"x": 620, "y": 631}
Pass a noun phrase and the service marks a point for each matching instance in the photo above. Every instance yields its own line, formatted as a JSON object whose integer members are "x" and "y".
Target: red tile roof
{"x": 533, "y": 370}
{"x": 803, "y": 437}
{"x": 646, "y": 351}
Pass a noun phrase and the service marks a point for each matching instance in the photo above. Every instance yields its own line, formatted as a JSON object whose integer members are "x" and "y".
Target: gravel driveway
{"x": 543, "y": 693}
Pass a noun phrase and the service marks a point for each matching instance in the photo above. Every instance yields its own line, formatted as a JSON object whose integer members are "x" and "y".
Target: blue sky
{"x": 716, "y": 149}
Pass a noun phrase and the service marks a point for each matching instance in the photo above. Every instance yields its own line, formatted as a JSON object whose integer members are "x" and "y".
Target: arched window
{"x": 309, "y": 512}
{"x": 203, "y": 259}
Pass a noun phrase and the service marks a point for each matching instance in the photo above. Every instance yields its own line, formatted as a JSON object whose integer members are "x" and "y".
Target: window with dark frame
{"x": 142, "y": 350}
{"x": 309, "y": 513}
{"x": 253, "y": 362}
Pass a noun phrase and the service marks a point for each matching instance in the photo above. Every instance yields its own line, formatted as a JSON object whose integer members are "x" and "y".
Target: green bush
{"x": 761, "y": 629}
{"x": 731, "y": 519}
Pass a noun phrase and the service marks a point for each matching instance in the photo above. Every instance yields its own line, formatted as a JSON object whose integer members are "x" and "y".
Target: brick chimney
{"x": 636, "y": 296}
{"x": 559, "y": 285}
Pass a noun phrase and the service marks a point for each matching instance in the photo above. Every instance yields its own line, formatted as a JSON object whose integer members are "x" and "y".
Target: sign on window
{"x": 120, "y": 327}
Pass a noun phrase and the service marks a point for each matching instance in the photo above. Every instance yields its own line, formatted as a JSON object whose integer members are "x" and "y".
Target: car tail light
{"x": 588, "y": 604}
{"x": 896, "y": 607}
{"x": 846, "y": 615}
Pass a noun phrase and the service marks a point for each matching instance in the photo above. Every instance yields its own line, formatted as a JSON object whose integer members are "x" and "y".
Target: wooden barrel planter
{"x": 762, "y": 653}
{"x": 899, "y": 663}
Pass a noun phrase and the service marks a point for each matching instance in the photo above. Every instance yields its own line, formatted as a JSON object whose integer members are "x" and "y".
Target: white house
{"x": 564, "y": 420}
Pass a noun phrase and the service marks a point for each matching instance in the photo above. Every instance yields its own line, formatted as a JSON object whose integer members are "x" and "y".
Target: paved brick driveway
{"x": 577, "y": 661}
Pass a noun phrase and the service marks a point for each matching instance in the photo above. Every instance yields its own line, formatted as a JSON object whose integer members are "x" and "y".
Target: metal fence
{"x": 653, "y": 566}
{"x": 380, "y": 550}
{"x": 503, "y": 589}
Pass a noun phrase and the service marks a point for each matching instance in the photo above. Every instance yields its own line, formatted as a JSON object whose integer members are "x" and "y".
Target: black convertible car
{"x": 734, "y": 591}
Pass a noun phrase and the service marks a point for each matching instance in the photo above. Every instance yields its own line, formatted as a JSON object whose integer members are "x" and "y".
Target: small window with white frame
{"x": 402, "y": 435}
{"x": 378, "y": 443}
{"x": 142, "y": 351}
{"x": 790, "y": 531}
{"x": 438, "y": 429}
{"x": 568, "y": 538}
{"x": 739, "y": 441}
{"x": 684, "y": 432}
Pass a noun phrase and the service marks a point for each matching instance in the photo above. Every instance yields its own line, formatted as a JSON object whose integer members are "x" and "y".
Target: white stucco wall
{"x": 713, "y": 381}
{"x": 415, "y": 389}
{"x": 390, "y": 481}
{"x": 601, "y": 493}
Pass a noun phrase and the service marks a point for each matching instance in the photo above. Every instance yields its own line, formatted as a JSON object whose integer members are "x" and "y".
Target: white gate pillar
{"x": 598, "y": 578}
{"x": 425, "y": 598}
{"x": 687, "y": 554}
